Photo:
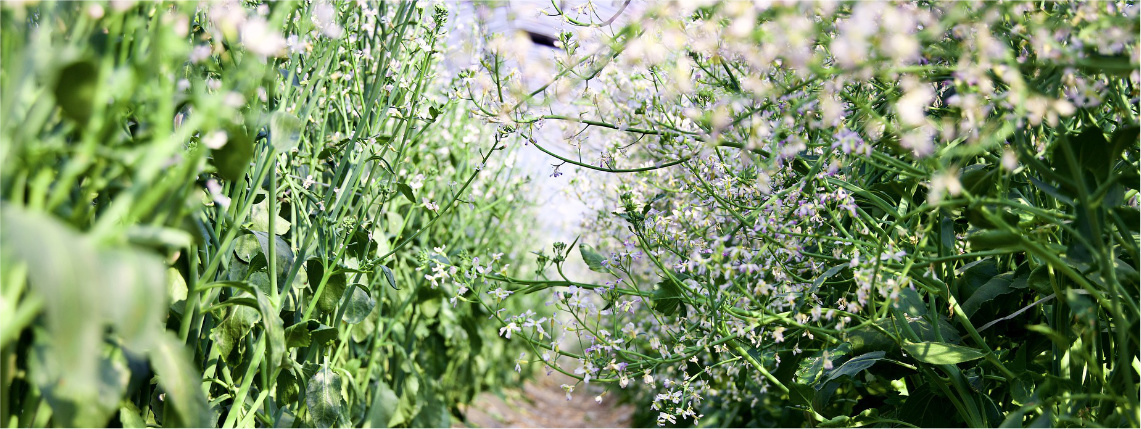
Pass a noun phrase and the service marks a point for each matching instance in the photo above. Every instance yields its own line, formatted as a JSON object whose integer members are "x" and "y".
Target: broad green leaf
{"x": 384, "y": 403}
{"x": 129, "y": 416}
{"x": 827, "y": 274}
{"x": 133, "y": 294}
{"x": 234, "y": 328}
{"x": 327, "y": 406}
{"x": 367, "y": 327}
{"x": 972, "y": 276}
{"x": 854, "y": 365}
{"x": 995, "y": 287}
{"x": 941, "y": 353}
{"x": 182, "y": 382}
{"x": 334, "y": 288}
{"x": 868, "y": 338}
{"x": 246, "y": 246}
{"x": 285, "y": 131}
{"x": 280, "y": 248}
{"x": 297, "y": 335}
{"x": 331, "y": 296}
{"x": 259, "y": 219}
{"x": 1093, "y": 150}
{"x": 320, "y": 334}
{"x": 593, "y": 260}
{"x": 359, "y": 306}
{"x": 910, "y": 303}
{"x": 667, "y": 298}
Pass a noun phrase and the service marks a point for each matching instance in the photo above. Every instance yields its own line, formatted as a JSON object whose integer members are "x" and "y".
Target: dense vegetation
{"x": 820, "y": 214}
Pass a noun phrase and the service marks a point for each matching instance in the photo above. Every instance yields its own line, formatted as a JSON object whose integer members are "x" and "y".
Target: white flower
{"x": 261, "y": 40}
{"x": 507, "y": 330}
{"x": 325, "y": 16}
{"x": 215, "y": 140}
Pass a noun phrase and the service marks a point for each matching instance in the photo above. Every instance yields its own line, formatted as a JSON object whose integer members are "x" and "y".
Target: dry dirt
{"x": 541, "y": 403}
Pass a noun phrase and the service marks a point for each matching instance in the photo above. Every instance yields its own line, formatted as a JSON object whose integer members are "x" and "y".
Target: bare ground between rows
{"x": 541, "y": 403}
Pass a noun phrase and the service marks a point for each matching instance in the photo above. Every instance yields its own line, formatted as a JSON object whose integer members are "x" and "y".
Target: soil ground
{"x": 541, "y": 403}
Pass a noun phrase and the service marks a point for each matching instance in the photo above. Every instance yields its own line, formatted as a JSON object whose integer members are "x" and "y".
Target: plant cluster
{"x": 868, "y": 213}
{"x": 239, "y": 215}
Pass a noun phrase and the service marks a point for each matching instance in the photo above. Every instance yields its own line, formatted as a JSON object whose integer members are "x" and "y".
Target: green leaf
{"x": 593, "y": 260}
{"x": 176, "y": 289}
{"x": 259, "y": 219}
{"x": 389, "y": 276}
{"x": 1124, "y": 137}
{"x": 129, "y": 416}
{"x": 85, "y": 289}
{"x": 274, "y": 334}
{"x": 384, "y": 403}
{"x": 667, "y": 298}
{"x": 359, "y": 306}
{"x": 433, "y": 412}
{"x": 297, "y": 335}
{"x": 910, "y": 303}
{"x": 233, "y": 159}
{"x": 320, "y": 333}
{"x": 234, "y": 328}
{"x": 854, "y": 365}
{"x": 182, "y": 383}
{"x": 285, "y": 131}
{"x": 327, "y": 407}
{"x": 1093, "y": 150}
{"x": 72, "y": 404}
{"x": 995, "y": 287}
{"x": 281, "y": 250}
{"x": 75, "y": 90}
{"x": 941, "y": 353}
{"x": 973, "y": 276}
{"x": 924, "y": 408}
{"x": 334, "y": 288}
{"x": 406, "y": 191}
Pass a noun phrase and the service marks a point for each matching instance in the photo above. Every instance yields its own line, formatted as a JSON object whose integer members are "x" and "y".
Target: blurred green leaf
{"x": 182, "y": 382}
{"x": 233, "y": 159}
{"x": 75, "y": 90}
{"x": 285, "y": 131}
{"x": 384, "y": 403}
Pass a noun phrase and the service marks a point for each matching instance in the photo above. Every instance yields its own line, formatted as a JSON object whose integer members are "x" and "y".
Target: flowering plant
{"x": 858, "y": 211}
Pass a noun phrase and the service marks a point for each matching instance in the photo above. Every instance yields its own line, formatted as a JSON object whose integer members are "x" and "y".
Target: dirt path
{"x": 541, "y": 403}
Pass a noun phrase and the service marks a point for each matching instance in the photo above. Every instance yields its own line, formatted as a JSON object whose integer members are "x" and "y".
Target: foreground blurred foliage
{"x": 217, "y": 215}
